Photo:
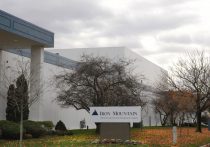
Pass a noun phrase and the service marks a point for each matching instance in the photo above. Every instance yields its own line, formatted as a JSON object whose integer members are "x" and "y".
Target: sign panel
{"x": 116, "y": 114}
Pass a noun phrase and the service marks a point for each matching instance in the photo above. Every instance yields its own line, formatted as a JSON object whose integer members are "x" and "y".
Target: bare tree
{"x": 186, "y": 106}
{"x": 167, "y": 107}
{"x": 173, "y": 106}
{"x": 98, "y": 81}
{"x": 192, "y": 74}
{"x": 162, "y": 102}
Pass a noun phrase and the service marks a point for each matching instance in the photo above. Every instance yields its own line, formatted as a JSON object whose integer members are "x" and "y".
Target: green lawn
{"x": 80, "y": 138}
{"x": 150, "y": 137}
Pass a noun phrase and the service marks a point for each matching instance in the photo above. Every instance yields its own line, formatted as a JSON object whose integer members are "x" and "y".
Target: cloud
{"x": 202, "y": 38}
{"x": 147, "y": 24}
{"x": 197, "y": 38}
{"x": 172, "y": 25}
{"x": 53, "y": 11}
{"x": 180, "y": 39}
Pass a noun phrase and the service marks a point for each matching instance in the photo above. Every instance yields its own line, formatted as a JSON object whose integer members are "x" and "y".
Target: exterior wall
{"x": 7, "y": 76}
{"x": 151, "y": 74}
{"x": 49, "y": 108}
{"x": 150, "y": 71}
{"x": 141, "y": 66}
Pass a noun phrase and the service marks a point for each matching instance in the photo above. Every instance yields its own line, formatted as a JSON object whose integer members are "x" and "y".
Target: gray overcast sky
{"x": 159, "y": 30}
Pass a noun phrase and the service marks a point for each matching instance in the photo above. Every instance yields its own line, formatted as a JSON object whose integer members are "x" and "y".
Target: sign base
{"x": 115, "y": 131}
{"x": 209, "y": 124}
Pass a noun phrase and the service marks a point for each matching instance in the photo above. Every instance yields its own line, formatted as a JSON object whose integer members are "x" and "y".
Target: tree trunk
{"x": 21, "y": 124}
{"x": 172, "y": 119}
{"x": 198, "y": 125}
{"x": 164, "y": 120}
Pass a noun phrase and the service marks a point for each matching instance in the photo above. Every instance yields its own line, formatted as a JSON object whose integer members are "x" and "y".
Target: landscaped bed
{"x": 187, "y": 137}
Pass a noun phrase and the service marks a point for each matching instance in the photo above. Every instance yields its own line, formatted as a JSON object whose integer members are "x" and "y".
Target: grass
{"x": 186, "y": 137}
{"x": 150, "y": 137}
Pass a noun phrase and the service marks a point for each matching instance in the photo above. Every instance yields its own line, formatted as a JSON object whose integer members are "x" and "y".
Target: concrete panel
{"x": 209, "y": 124}
{"x": 115, "y": 131}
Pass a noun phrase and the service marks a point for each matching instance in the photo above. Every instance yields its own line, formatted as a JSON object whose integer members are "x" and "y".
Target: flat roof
{"x": 14, "y": 29}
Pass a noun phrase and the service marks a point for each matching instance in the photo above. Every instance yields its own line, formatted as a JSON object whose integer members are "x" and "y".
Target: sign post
{"x": 209, "y": 124}
{"x": 174, "y": 132}
{"x": 115, "y": 121}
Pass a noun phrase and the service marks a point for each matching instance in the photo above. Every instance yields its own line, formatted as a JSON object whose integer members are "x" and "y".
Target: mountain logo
{"x": 95, "y": 112}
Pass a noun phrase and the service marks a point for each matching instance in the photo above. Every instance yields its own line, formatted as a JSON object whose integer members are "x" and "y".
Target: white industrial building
{"x": 142, "y": 67}
{"x": 55, "y": 63}
{"x": 21, "y": 41}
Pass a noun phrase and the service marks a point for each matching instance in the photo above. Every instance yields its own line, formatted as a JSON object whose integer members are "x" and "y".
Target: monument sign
{"x": 115, "y": 121}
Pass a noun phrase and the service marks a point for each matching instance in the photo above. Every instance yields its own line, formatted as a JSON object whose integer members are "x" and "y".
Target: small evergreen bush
{"x": 60, "y": 126}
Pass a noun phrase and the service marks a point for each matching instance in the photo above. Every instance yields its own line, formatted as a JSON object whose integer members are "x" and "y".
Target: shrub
{"x": 28, "y": 136}
{"x": 51, "y": 132}
{"x": 10, "y": 130}
{"x": 60, "y": 126}
{"x": 34, "y": 128}
{"x": 47, "y": 124}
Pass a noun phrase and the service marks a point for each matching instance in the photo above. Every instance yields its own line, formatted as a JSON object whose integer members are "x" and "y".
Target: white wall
{"x": 149, "y": 70}
{"x": 7, "y": 76}
{"x": 51, "y": 110}
{"x": 141, "y": 66}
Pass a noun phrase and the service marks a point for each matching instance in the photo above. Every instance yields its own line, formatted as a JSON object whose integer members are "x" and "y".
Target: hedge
{"x": 34, "y": 128}
{"x": 10, "y": 130}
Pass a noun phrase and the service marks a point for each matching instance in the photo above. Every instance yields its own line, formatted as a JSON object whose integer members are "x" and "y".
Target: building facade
{"x": 22, "y": 43}
{"x": 55, "y": 63}
{"x": 150, "y": 72}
